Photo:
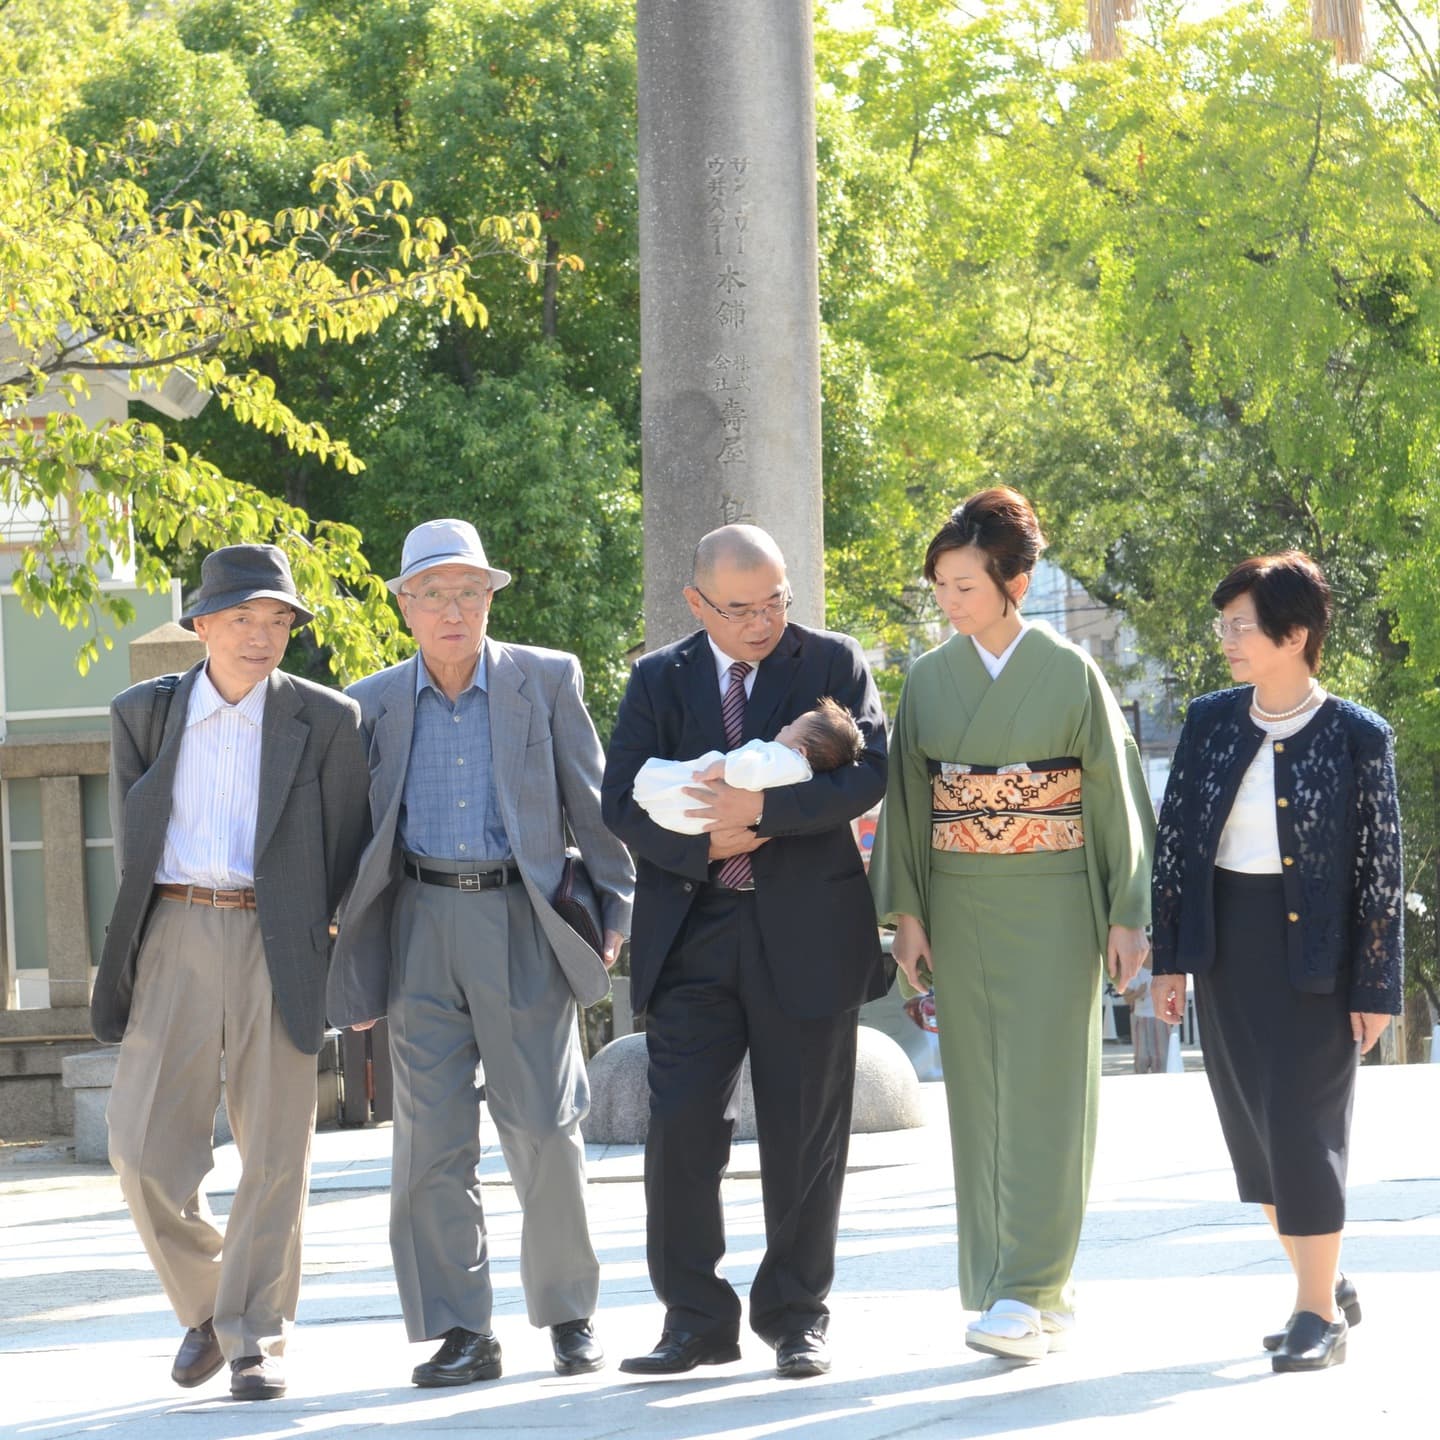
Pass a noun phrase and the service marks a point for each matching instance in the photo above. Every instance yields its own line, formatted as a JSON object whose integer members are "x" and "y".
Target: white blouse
{"x": 1250, "y": 841}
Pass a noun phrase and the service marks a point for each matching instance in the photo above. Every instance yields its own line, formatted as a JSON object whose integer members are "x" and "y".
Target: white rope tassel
{"x": 1342, "y": 22}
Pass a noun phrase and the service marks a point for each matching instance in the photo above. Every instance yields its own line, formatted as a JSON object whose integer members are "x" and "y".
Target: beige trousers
{"x": 202, "y": 991}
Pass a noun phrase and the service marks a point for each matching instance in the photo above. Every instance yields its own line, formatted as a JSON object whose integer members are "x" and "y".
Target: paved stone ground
{"x": 1177, "y": 1283}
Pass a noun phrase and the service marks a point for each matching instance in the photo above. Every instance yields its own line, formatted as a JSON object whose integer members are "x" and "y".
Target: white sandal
{"x": 1012, "y": 1330}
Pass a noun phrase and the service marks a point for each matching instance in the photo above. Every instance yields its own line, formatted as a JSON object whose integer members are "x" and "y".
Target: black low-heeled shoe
{"x": 1345, "y": 1298}
{"x": 1311, "y": 1343}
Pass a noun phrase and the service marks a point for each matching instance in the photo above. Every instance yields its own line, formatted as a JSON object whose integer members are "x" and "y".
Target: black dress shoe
{"x": 1345, "y": 1298}
{"x": 198, "y": 1357}
{"x": 1311, "y": 1344}
{"x": 464, "y": 1358}
{"x": 802, "y": 1354}
{"x": 256, "y": 1377}
{"x": 577, "y": 1351}
{"x": 679, "y": 1351}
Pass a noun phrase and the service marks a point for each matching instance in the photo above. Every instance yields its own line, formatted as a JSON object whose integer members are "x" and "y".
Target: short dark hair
{"x": 830, "y": 736}
{"x": 1001, "y": 523}
{"x": 1290, "y": 593}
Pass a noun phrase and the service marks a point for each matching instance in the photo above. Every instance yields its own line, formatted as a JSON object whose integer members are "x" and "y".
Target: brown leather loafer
{"x": 198, "y": 1357}
{"x": 256, "y": 1377}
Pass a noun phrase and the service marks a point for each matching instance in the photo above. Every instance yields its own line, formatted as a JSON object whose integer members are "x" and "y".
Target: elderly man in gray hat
{"x": 237, "y": 798}
{"x": 483, "y": 765}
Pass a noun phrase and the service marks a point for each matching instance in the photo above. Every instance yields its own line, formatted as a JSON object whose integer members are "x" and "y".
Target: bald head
{"x": 742, "y": 548}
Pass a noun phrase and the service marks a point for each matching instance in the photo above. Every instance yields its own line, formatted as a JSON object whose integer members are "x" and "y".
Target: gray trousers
{"x": 473, "y": 980}
{"x": 202, "y": 990}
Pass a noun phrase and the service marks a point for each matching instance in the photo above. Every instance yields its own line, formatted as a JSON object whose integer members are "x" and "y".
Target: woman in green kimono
{"x": 1013, "y": 853}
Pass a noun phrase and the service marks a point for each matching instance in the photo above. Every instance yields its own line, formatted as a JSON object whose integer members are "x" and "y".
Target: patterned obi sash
{"x": 1006, "y": 809}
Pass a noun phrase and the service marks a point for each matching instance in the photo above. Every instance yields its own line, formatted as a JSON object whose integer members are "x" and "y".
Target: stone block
{"x": 33, "y": 1107}
{"x": 168, "y": 649}
{"x": 887, "y": 1093}
{"x": 80, "y": 752}
{"x": 89, "y": 1078}
{"x": 67, "y": 1022}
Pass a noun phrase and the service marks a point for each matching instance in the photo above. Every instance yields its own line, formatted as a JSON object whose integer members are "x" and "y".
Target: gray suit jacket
{"x": 309, "y": 832}
{"x": 547, "y": 764}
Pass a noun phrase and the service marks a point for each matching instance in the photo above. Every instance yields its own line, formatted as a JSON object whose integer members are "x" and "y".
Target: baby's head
{"x": 826, "y": 736}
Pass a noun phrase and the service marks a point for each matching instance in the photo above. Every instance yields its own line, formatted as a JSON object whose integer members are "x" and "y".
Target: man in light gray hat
{"x": 483, "y": 762}
{"x": 237, "y": 802}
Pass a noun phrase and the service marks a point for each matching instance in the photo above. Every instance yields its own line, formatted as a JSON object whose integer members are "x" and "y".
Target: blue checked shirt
{"x": 450, "y": 809}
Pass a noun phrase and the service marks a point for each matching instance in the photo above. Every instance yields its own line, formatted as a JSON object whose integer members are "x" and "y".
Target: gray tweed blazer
{"x": 311, "y": 827}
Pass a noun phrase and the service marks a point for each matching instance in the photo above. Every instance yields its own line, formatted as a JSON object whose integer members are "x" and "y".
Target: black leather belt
{"x": 491, "y": 879}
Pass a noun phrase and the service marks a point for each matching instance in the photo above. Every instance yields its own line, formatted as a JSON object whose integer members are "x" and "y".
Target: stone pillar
{"x": 729, "y": 290}
{"x": 165, "y": 650}
{"x": 67, "y": 915}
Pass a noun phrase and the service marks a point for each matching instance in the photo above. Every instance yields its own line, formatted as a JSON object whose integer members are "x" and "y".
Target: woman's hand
{"x": 1125, "y": 953}
{"x": 1367, "y": 1029}
{"x": 911, "y": 950}
{"x": 1167, "y": 994}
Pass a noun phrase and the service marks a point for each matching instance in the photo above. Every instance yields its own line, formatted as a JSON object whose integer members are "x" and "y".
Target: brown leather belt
{"x": 198, "y": 895}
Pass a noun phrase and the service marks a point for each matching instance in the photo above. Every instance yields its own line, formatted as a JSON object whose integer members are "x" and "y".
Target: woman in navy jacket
{"x": 1277, "y": 884}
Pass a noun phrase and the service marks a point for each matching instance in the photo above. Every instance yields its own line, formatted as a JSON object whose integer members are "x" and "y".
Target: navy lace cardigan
{"x": 1338, "y": 818}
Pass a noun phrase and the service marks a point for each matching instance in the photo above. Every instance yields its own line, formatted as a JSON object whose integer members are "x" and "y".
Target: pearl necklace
{"x": 1284, "y": 714}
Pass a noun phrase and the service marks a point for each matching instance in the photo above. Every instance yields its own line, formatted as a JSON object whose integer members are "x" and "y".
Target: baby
{"x": 821, "y": 739}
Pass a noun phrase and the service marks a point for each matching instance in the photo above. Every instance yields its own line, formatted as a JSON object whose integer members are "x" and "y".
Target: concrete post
{"x": 729, "y": 291}
{"x": 165, "y": 650}
{"x": 67, "y": 915}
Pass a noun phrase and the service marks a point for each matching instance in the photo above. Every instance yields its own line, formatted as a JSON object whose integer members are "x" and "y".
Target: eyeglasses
{"x": 921, "y": 1009}
{"x": 775, "y": 610}
{"x": 433, "y": 600}
{"x": 1238, "y": 628}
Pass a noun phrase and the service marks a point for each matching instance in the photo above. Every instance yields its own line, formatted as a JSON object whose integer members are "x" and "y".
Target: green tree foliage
{"x": 1190, "y": 302}
{"x": 484, "y": 108}
{"x": 101, "y": 278}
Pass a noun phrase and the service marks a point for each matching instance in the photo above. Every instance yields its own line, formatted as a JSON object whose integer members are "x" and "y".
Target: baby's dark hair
{"x": 830, "y": 736}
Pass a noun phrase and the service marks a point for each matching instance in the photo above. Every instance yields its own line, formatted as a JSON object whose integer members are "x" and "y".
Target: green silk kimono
{"x": 1017, "y": 827}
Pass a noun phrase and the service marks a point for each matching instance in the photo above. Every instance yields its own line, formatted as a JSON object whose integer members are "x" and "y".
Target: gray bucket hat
{"x": 237, "y": 573}
{"x": 445, "y": 542}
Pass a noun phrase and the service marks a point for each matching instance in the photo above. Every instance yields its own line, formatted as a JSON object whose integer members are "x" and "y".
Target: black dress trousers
{"x": 713, "y": 1000}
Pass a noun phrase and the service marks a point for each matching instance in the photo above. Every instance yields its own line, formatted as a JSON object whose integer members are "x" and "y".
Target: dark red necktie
{"x": 735, "y": 873}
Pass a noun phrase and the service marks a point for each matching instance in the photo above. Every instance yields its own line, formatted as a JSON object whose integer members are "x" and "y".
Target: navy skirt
{"x": 1281, "y": 1062}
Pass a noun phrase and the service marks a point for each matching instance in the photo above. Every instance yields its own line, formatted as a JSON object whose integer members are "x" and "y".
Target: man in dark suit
{"x": 758, "y": 935}
{"x": 237, "y": 800}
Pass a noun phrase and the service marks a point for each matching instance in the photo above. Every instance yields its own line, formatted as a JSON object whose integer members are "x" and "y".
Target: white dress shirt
{"x": 723, "y": 662}
{"x": 996, "y": 663}
{"x": 210, "y": 840}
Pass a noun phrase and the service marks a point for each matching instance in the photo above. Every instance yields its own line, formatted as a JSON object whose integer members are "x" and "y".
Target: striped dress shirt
{"x": 210, "y": 840}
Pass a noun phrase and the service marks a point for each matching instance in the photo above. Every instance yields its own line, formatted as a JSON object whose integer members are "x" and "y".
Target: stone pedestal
{"x": 887, "y": 1094}
{"x": 729, "y": 291}
{"x": 168, "y": 649}
{"x": 89, "y": 1078}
